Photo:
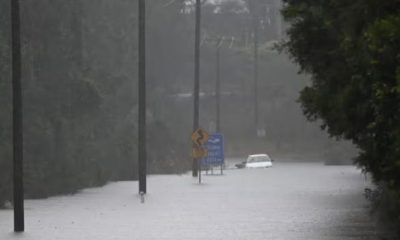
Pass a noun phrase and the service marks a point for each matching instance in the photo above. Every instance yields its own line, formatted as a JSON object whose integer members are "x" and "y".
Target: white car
{"x": 258, "y": 161}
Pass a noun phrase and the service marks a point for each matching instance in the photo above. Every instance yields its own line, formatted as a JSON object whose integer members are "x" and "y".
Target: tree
{"x": 79, "y": 80}
{"x": 351, "y": 49}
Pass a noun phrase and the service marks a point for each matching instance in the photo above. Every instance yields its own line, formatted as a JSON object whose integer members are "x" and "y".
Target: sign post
{"x": 199, "y": 138}
{"x": 215, "y": 149}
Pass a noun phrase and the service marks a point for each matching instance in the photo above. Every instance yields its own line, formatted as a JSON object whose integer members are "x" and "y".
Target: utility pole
{"x": 278, "y": 6}
{"x": 142, "y": 98}
{"x": 18, "y": 186}
{"x": 218, "y": 92}
{"x": 255, "y": 26}
{"x": 195, "y": 165}
{"x": 218, "y": 87}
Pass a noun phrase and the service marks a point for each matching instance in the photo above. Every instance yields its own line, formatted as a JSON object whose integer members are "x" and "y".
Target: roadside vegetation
{"x": 351, "y": 49}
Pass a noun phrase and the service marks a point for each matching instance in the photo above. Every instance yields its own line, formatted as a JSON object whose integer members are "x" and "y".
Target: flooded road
{"x": 299, "y": 201}
{"x": 309, "y": 201}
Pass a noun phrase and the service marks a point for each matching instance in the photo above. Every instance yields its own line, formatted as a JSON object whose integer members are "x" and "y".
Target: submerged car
{"x": 256, "y": 161}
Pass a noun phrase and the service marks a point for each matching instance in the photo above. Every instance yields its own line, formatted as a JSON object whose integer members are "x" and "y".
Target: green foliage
{"x": 351, "y": 49}
{"x": 79, "y": 94}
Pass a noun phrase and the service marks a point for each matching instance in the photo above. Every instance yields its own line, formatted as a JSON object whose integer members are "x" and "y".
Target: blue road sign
{"x": 215, "y": 147}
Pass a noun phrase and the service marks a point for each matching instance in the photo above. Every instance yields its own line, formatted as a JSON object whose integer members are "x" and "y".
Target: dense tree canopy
{"x": 352, "y": 49}
{"x": 79, "y": 94}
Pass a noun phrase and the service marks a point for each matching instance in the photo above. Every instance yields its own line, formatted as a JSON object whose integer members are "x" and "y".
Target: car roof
{"x": 259, "y": 155}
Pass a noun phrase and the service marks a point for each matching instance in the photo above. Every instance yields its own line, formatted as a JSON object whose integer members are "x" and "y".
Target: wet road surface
{"x": 288, "y": 201}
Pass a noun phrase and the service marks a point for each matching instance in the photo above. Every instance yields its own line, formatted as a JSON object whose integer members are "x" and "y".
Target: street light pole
{"x": 142, "y": 99}
{"x": 195, "y": 164}
{"x": 18, "y": 186}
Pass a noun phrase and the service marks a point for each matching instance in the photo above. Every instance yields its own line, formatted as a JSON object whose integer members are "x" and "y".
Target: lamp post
{"x": 18, "y": 187}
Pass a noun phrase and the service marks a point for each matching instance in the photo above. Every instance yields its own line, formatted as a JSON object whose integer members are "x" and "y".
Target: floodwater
{"x": 299, "y": 201}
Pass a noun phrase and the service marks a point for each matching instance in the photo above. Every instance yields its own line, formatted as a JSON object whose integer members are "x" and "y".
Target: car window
{"x": 262, "y": 159}
{"x": 255, "y": 159}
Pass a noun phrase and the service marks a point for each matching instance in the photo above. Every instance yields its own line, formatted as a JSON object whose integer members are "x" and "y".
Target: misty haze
{"x": 189, "y": 119}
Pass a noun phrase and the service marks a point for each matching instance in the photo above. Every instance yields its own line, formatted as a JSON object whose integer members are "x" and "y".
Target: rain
{"x": 199, "y": 119}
